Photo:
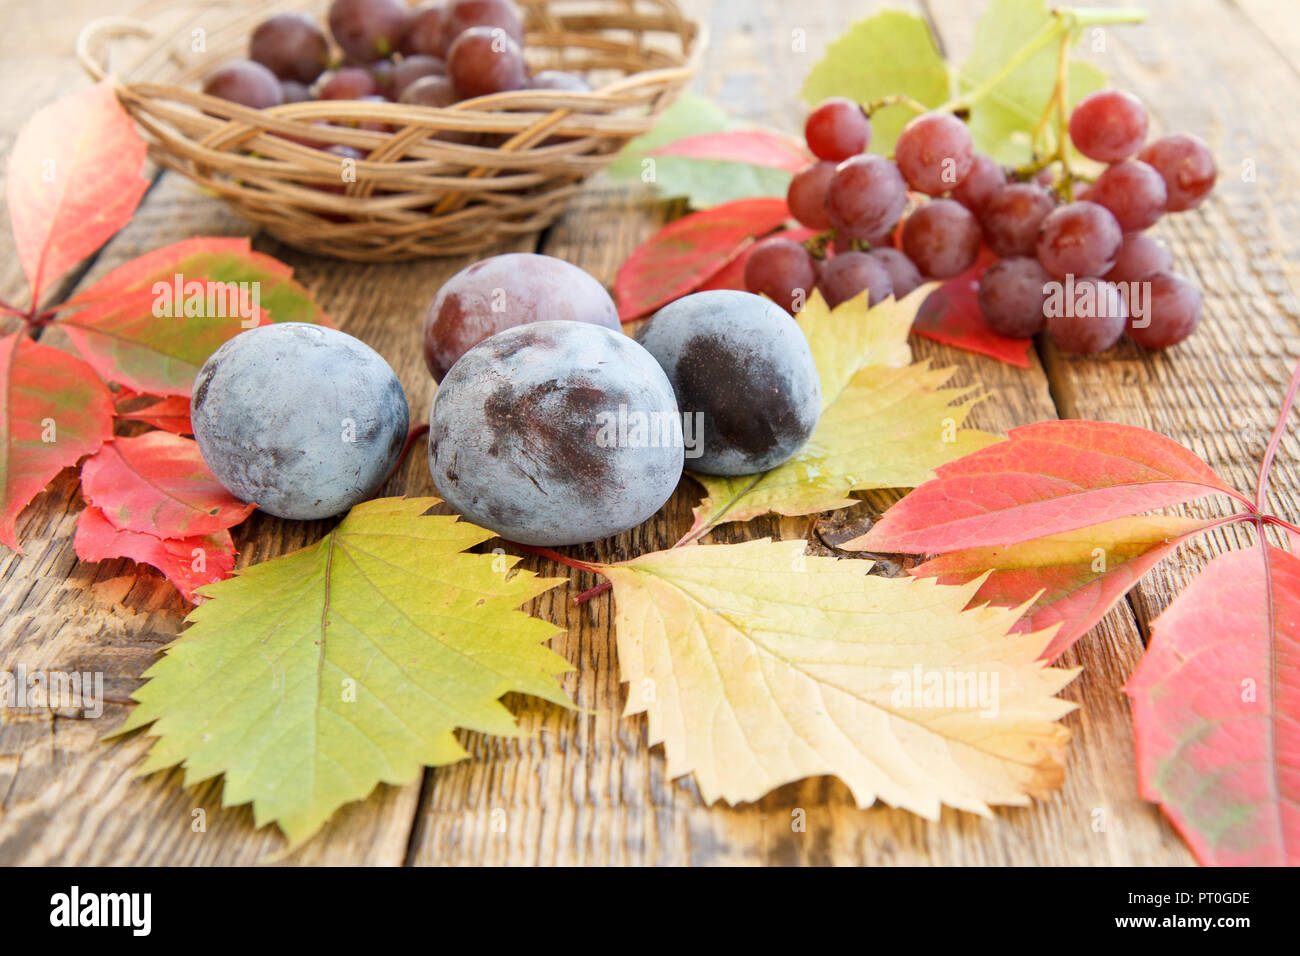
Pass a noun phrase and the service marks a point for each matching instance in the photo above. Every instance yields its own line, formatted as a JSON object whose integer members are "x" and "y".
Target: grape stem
{"x": 898, "y": 99}
{"x": 818, "y": 244}
{"x": 1062, "y": 96}
{"x": 1063, "y": 24}
{"x": 556, "y": 557}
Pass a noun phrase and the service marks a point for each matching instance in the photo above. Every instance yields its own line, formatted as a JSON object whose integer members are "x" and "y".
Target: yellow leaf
{"x": 758, "y": 665}
{"x": 884, "y": 424}
{"x": 311, "y": 678}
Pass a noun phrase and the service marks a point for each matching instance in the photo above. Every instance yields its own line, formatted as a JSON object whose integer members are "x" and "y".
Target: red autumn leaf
{"x": 53, "y": 410}
{"x": 758, "y": 147}
{"x": 1071, "y": 579}
{"x": 1045, "y": 479}
{"x": 1216, "y": 711}
{"x": 189, "y": 563}
{"x": 171, "y": 414}
{"x": 687, "y": 251}
{"x": 158, "y": 483}
{"x": 145, "y": 328}
{"x": 74, "y": 180}
{"x": 951, "y": 314}
{"x": 732, "y": 275}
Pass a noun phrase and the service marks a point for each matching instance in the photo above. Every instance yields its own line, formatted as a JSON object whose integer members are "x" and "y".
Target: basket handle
{"x": 94, "y": 33}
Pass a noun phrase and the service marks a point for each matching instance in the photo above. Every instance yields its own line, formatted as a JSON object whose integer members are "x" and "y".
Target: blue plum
{"x": 555, "y": 433}
{"x": 504, "y": 291}
{"x": 744, "y": 364}
{"x": 302, "y": 420}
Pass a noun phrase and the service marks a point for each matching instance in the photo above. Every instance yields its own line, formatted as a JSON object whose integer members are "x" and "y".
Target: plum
{"x": 745, "y": 364}
{"x": 555, "y": 433}
{"x": 505, "y": 291}
{"x": 302, "y": 420}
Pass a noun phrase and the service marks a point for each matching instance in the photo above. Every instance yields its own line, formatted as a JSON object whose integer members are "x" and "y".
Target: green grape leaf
{"x": 1001, "y": 123}
{"x": 706, "y": 183}
{"x": 757, "y": 664}
{"x": 691, "y": 115}
{"x": 892, "y": 53}
{"x": 703, "y": 182}
{"x": 310, "y": 678}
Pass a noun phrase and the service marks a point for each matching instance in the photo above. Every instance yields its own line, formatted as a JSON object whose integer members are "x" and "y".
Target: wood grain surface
{"x": 586, "y": 788}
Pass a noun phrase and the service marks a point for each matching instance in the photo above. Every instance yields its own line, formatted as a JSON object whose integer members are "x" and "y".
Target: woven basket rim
{"x": 134, "y": 26}
{"x": 427, "y": 181}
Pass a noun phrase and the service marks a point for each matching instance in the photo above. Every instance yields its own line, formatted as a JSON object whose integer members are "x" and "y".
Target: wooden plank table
{"x": 585, "y": 788}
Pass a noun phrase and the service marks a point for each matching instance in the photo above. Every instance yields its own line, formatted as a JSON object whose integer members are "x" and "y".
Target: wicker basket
{"x": 413, "y": 195}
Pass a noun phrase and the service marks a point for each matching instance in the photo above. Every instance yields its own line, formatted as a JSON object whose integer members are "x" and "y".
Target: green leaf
{"x": 690, "y": 115}
{"x": 311, "y": 678}
{"x": 710, "y": 182}
{"x": 884, "y": 424}
{"x": 703, "y": 182}
{"x": 1001, "y": 122}
{"x": 893, "y": 53}
{"x": 757, "y": 664}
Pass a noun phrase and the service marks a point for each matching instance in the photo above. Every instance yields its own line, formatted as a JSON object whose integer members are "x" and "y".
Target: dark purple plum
{"x": 555, "y": 433}
{"x": 504, "y": 291}
{"x": 744, "y": 364}
{"x": 302, "y": 420}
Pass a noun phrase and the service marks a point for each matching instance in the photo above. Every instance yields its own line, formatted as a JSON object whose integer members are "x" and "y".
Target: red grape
{"x": 1011, "y": 296}
{"x": 484, "y": 61}
{"x": 291, "y": 91}
{"x": 1109, "y": 125}
{"x": 348, "y": 83}
{"x": 1012, "y": 216}
{"x": 984, "y": 179}
{"x": 430, "y": 91}
{"x": 849, "y": 273}
{"x": 424, "y": 31}
{"x": 1134, "y": 193}
{"x": 461, "y": 15}
{"x": 291, "y": 46}
{"x": 1080, "y": 239}
{"x": 436, "y": 91}
{"x": 806, "y": 196}
{"x": 1187, "y": 166}
{"x": 1173, "y": 312}
{"x": 245, "y": 82}
{"x": 559, "y": 80}
{"x": 1140, "y": 257}
{"x": 934, "y": 153}
{"x": 837, "y": 129}
{"x": 368, "y": 29}
{"x": 866, "y": 196}
{"x": 383, "y": 71}
{"x": 782, "y": 270}
{"x": 412, "y": 68}
{"x": 942, "y": 238}
{"x": 904, "y": 276}
{"x": 1093, "y": 321}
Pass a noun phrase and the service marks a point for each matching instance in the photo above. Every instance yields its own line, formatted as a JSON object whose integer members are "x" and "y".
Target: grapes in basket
{"x": 435, "y": 54}
{"x": 1073, "y": 254}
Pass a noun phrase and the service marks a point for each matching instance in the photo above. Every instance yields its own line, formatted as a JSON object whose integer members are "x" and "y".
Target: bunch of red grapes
{"x": 435, "y": 54}
{"x": 1080, "y": 264}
